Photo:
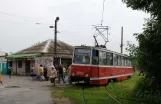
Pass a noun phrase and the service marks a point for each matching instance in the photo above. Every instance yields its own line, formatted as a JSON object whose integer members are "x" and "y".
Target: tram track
{"x": 84, "y": 101}
{"x": 112, "y": 96}
{"x": 109, "y": 94}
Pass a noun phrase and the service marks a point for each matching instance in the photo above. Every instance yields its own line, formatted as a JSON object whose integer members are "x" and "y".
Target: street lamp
{"x": 55, "y": 39}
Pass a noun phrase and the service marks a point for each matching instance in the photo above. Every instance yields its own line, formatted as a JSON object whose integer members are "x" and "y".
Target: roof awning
{"x": 24, "y": 55}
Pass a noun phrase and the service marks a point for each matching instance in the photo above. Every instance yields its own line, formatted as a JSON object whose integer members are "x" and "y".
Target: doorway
{"x": 28, "y": 67}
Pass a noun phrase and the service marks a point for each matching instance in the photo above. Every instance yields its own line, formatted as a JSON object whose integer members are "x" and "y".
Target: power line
{"x": 38, "y": 23}
{"x": 24, "y": 18}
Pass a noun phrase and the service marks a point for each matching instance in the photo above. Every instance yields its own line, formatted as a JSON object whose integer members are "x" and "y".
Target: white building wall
{"x": 19, "y": 70}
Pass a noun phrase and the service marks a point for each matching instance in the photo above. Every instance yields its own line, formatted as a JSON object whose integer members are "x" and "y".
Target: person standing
{"x": 41, "y": 73}
{"x": 45, "y": 73}
{"x": 69, "y": 73}
{"x": 53, "y": 75}
{"x": 64, "y": 72}
{"x": 9, "y": 71}
{"x": 60, "y": 71}
{"x": 32, "y": 72}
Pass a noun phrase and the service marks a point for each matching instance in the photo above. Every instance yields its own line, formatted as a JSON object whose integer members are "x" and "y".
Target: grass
{"x": 97, "y": 95}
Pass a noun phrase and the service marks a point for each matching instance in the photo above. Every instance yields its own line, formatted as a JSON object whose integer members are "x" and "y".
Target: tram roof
{"x": 100, "y": 48}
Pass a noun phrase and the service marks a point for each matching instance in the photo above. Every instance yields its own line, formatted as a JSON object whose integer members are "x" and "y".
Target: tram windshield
{"x": 82, "y": 56}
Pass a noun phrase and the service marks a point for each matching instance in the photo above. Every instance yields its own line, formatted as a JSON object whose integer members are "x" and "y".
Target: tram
{"x": 98, "y": 65}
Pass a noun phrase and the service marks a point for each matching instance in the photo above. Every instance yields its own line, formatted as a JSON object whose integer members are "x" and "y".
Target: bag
{"x": 42, "y": 77}
{"x": 32, "y": 74}
{"x": 52, "y": 79}
{"x": 66, "y": 79}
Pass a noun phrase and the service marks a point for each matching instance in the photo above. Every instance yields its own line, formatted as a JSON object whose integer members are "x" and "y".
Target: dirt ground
{"x": 22, "y": 90}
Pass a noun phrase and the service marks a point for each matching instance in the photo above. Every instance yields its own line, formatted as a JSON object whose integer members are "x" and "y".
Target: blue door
{"x": 4, "y": 68}
{"x": 1, "y": 66}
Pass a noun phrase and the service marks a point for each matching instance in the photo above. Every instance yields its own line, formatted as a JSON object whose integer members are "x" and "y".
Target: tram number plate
{"x": 79, "y": 73}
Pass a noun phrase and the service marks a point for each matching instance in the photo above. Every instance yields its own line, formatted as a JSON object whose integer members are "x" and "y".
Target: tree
{"x": 132, "y": 49}
{"x": 149, "y": 56}
{"x": 149, "y": 49}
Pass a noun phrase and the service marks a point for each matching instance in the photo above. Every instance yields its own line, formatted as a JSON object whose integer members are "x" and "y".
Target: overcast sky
{"x": 18, "y": 18}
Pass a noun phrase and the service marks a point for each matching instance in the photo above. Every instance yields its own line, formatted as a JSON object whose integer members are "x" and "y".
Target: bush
{"x": 147, "y": 91}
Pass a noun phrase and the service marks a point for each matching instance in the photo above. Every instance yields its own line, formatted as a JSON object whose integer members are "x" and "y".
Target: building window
{"x": 115, "y": 60}
{"x": 109, "y": 58}
{"x": 19, "y": 64}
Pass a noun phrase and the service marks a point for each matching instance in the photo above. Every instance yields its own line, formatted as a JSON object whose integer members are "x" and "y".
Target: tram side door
{"x": 95, "y": 64}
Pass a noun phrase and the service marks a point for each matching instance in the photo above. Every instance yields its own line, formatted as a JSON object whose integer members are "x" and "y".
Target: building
{"x": 3, "y": 62}
{"x": 40, "y": 53}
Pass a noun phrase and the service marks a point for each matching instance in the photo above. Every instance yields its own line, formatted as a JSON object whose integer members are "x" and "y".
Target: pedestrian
{"x": 9, "y": 71}
{"x": 69, "y": 73}
{"x": 41, "y": 70}
{"x": 53, "y": 75}
{"x": 64, "y": 72}
{"x": 1, "y": 77}
{"x": 45, "y": 73}
{"x": 60, "y": 71}
{"x": 32, "y": 72}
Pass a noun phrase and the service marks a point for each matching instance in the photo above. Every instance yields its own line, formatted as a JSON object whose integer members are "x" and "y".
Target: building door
{"x": 4, "y": 68}
{"x": 27, "y": 66}
{"x": 1, "y": 66}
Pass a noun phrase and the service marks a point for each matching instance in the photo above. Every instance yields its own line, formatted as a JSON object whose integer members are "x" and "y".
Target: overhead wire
{"x": 27, "y": 19}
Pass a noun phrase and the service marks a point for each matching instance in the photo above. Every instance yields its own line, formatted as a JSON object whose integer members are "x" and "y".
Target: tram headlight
{"x": 86, "y": 75}
{"x": 73, "y": 74}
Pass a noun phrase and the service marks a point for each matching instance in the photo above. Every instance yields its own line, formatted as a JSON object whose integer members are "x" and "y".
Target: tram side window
{"x": 109, "y": 58}
{"x": 102, "y": 58}
{"x": 95, "y": 55}
{"x": 126, "y": 62}
{"x": 119, "y": 61}
{"x": 130, "y": 63}
{"x": 115, "y": 59}
{"x": 123, "y": 61}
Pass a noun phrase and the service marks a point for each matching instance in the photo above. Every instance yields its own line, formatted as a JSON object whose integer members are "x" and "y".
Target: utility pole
{"x": 55, "y": 40}
{"x": 121, "y": 46}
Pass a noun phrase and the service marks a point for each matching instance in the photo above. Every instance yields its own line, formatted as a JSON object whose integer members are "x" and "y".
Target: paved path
{"x": 27, "y": 92}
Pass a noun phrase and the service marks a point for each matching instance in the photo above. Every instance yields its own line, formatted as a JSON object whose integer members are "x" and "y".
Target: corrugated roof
{"x": 48, "y": 47}
{"x": 2, "y": 53}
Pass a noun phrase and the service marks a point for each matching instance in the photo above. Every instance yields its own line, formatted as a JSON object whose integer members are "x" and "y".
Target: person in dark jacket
{"x": 45, "y": 73}
{"x": 9, "y": 71}
{"x": 60, "y": 73}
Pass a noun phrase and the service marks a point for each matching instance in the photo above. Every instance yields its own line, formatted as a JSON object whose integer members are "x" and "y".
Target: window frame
{"x": 111, "y": 60}
{"x": 117, "y": 64}
{"x": 102, "y": 58}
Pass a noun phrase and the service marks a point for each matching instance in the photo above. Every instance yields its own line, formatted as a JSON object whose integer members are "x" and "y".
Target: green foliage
{"x": 147, "y": 91}
{"x": 132, "y": 49}
{"x": 149, "y": 6}
{"x": 149, "y": 50}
